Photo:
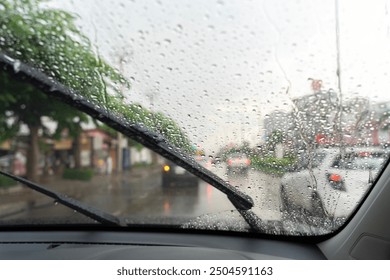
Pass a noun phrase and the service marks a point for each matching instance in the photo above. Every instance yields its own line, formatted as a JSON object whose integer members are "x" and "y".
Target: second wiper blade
{"x": 93, "y": 213}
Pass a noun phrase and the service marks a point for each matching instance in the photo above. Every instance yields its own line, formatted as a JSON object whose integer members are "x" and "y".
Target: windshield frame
{"x": 156, "y": 137}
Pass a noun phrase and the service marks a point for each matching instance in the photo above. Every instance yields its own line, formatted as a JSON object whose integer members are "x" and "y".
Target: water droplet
{"x": 16, "y": 66}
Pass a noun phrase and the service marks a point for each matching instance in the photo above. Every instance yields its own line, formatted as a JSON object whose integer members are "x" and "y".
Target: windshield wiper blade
{"x": 254, "y": 221}
{"x": 149, "y": 139}
{"x": 91, "y": 212}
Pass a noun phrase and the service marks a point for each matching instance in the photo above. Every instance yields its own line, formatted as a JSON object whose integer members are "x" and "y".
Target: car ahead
{"x": 334, "y": 180}
{"x": 173, "y": 174}
{"x": 238, "y": 162}
{"x": 83, "y": 81}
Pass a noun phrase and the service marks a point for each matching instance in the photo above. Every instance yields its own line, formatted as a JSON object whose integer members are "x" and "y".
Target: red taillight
{"x": 336, "y": 181}
{"x": 335, "y": 178}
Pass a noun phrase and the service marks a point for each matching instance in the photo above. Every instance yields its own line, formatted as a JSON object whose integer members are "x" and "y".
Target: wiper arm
{"x": 149, "y": 139}
{"x": 93, "y": 213}
{"x": 250, "y": 218}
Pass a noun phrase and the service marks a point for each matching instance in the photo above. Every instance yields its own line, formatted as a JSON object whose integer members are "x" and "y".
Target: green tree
{"x": 22, "y": 103}
{"x": 156, "y": 121}
{"x": 49, "y": 40}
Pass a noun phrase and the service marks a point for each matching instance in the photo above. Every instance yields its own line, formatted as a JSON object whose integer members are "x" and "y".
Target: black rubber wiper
{"x": 91, "y": 212}
{"x": 155, "y": 142}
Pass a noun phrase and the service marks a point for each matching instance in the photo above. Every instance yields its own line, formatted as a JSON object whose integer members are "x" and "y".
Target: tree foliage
{"x": 158, "y": 122}
{"x": 49, "y": 40}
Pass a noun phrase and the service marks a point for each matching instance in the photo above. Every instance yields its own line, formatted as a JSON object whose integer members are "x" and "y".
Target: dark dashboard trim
{"x": 127, "y": 240}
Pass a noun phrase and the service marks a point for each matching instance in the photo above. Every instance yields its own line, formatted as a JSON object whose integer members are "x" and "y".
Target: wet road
{"x": 144, "y": 197}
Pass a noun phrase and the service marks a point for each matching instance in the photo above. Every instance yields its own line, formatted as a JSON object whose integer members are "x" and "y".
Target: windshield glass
{"x": 285, "y": 101}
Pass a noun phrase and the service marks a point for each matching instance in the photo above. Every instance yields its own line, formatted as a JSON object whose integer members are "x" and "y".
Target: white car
{"x": 333, "y": 182}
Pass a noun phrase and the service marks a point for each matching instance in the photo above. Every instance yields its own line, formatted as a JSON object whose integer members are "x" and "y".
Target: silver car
{"x": 333, "y": 182}
{"x": 238, "y": 162}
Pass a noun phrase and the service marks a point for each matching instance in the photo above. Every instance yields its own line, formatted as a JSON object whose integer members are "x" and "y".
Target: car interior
{"x": 125, "y": 103}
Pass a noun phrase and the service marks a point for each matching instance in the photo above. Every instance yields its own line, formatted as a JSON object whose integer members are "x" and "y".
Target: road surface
{"x": 137, "y": 198}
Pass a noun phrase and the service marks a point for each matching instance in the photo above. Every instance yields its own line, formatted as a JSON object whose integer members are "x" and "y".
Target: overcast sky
{"x": 218, "y": 67}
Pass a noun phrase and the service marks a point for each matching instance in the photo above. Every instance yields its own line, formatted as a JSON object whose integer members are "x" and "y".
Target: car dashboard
{"x": 110, "y": 245}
